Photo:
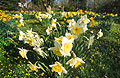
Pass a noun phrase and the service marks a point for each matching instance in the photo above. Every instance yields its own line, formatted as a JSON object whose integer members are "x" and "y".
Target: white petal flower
{"x": 39, "y": 51}
{"x": 83, "y": 21}
{"x": 91, "y": 40}
{"x": 57, "y": 67}
{"x": 23, "y": 52}
{"x": 66, "y": 46}
{"x": 100, "y": 34}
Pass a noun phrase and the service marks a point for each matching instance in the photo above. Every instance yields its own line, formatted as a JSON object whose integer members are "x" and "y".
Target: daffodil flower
{"x": 21, "y": 35}
{"x": 56, "y": 49}
{"x": 83, "y": 21}
{"x": 39, "y": 51}
{"x": 33, "y": 67}
{"x": 66, "y": 46}
{"x": 48, "y": 31}
{"x": 23, "y": 52}
{"x": 59, "y": 40}
{"x": 70, "y": 36}
{"x": 100, "y": 34}
{"x": 57, "y": 67}
{"x": 91, "y": 40}
{"x": 76, "y": 61}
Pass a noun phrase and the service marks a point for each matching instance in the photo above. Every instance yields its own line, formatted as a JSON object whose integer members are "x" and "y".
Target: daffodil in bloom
{"x": 83, "y": 21}
{"x": 23, "y": 52}
{"x": 56, "y": 49}
{"x": 66, "y": 46}
{"x": 91, "y": 40}
{"x": 33, "y": 67}
{"x": 57, "y": 67}
{"x": 77, "y": 30}
{"x": 76, "y": 61}
{"x": 100, "y": 34}
{"x": 21, "y": 21}
{"x": 30, "y": 41}
{"x": 39, "y": 51}
{"x": 53, "y": 23}
{"x": 59, "y": 40}
{"x": 21, "y": 35}
{"x": 48, "y": 31}
{"x": 72, "y": 23}
{"x": 70, "y": 36}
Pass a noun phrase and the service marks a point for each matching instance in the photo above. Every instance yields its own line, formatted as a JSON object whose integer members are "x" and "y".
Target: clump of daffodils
{"x": 33, "y": 39}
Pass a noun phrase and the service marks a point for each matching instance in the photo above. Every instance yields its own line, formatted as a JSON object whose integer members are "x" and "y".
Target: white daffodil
{"x": 48, "y": 31}
{"x": 66, "y": 46}
{"x": 39, "y": 51}
{"x": 57, "y": 67}
{"x": 77, "y": 30}
{"x": 59, "y": 40}
{"x": 76, "y": 61}
{"x": 72, "y": 23}
{"x": 53, "y": 23}
{"x": 70, "y": 36}
{"x": 56, "y": 49}
{"x": 83, "y": 21}
{"x": 29, "y": 33}
{"x": 21, "y": 35}
{"x": 91, "y": 40}
{"x": 30, "y": 41}
{"x": 100, "y": 34}
{"x": 23, "y": 52}
{"x": 21, "y": 21}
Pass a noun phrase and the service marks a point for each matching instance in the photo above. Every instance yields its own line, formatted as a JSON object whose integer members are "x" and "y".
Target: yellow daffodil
{"x": 39, "y": 51}
{"x": 19, "y": 25}
{"x": 70, "y": 36}
{"x": 33, "y": 67}
{"x": 30, "y": 41}
{"x": 57, "y": 67}
{"x": 23, "y": 52}
{"x": 76, "y": 61}
{"x": 56, "y": 49}
{"x": 100, "y": 34}
{"x": 59, "y": 40}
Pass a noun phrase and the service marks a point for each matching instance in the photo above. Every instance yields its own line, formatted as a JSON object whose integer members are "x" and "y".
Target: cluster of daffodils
{"x": 40, "y": 16}
{"x": 33, "y": 39}
{"x": 62, "y": 45}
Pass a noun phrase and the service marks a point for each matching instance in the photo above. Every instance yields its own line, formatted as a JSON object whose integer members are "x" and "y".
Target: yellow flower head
{"x": 57, "y": 67}
{"x": 77, "y": 30}
{"x": 56, "y": 49}
{"x": 23, "y": 52}
{"x": 76, "y": 61}
{"x": 59, "y": 40}
{"x": 66, "y": 46}
{"x": 4, "y": 19}
{"x": 19, "y": 25}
